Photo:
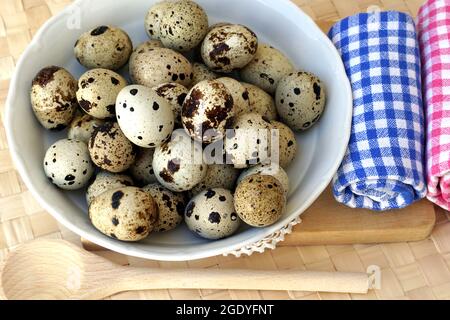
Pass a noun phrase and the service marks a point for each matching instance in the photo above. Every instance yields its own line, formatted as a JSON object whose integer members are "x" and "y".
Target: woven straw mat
{"x": 419, "y": 270}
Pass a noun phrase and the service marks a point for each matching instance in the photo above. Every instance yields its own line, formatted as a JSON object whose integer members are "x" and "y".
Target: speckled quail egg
{"x": 249, "y": 141}
{"x": 82, "y": 127}
{"x": 110, "y": 149}
{"x": 142, "y": 169}
{"x": 300, "y": 100}
{"x": 218, "y": 176}
{"x": 97, "y": 92}
{"x": 261, "y": 102}
{"x": 208, "y": 111}
{"x": 154, "y": 17}
{"x": 287, "y": 143}
{"x": 156, "y": 66}
{"x": 229, "y": 47}
{"x": 145, "y": 118}
{"x": 267, "y": 68}
{"x": 53, "y": 97}
{"x": 239, "y": 94}
{"x": 145, "y": 47}
{"x": 67, "y": 164}
{"x": 175, "y": 94}
{"x": 105, "y": 181}
{"x": 170, "y": 207}
{"x": 183, "y": 26}
{"x": 259, "y": 200}
{"x": 178, "y": 164}
{"x": 103, "y": 47}
{"x": 126, "y": 213}
{"x": 268, "y": 169}
{"x": 211, "y": 214}
{"x": 201, "y": 73}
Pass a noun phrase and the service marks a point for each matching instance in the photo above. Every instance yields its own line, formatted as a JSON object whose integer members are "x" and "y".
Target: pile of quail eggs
{"x": 128, "y": 136}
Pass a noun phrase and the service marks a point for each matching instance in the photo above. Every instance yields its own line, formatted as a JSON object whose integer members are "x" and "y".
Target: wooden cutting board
{"x": 327, "y": 222}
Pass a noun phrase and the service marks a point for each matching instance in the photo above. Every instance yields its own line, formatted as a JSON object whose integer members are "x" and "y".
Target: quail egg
{"x": 286, "y": 142}
{"x": 97, "y": 92}
{"x": 175, "y": 94}
{"x": 218, "y": 176}
{"x": 183, "y": 26}
{"x": 248, "y": 143}
{"x": 105, "y": 47}
{"x": 53, "y": 97}
{"x": 211, "y": 214}
{"x": 142, "y": 169}
{"x": 126, "y": 213}
{"x": 229, "y": 47}
{"x": 156, "y": 66}
{"x": 300, "y": 100}
{"x": 170, "y": 207}
{"x": 82, "y": 127}
{"x": 261, "y": 102}
{"x": 105, "y": 181}
{"x": 145, "y": 118}
{"x": 267, "y": 68}
{"x": 67, "y": 164}
{"x": 110, "y": 149}
{"x": 178, "y": 164}
{"x": 208, "y": 111}
{"x": 260, "y": 200}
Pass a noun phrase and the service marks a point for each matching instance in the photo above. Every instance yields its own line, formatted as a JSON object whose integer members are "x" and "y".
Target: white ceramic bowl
{"x": 278, "y": 22}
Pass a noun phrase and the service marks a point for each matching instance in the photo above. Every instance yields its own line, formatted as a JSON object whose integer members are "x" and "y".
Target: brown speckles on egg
{"x": 307, "y": 103}
{"x": 98, "y": 48}
{"x": 110, "y": 149}
{"x": 170, "y": 204}
{"x": 45, "y": 76}
{"x": 229, "y": 47}
{"x": 115, "y": 199}
{"x": 130, "y": 218}
{"x": 98, "y": 90}
{"x": 208, "y": 105}
{"x": 68, "y": 165}
{"x": 53, "y": 97}
{"x": 183, "y": 26}
{"x": 175, "y": 167}
{"x": 149, "y": 68}
{"x": 260, "y": 102}
{"x": 148, "y": 117}
{"x": 256, "y": 203}
{"x": 105, "y": 181}
{"x": 267, "y": 68}
{"x": 212, "y": 215}
{"x": 99, "y": 30}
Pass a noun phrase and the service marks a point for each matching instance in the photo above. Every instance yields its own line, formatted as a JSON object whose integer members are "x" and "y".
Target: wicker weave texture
{"x": 419, "y": 270}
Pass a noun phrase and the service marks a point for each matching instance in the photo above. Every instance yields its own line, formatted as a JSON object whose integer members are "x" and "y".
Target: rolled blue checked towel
{"x": 383, "y": 166}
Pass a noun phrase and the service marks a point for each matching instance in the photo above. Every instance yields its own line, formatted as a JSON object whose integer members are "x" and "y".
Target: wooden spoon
{"x": 56, "y": 269}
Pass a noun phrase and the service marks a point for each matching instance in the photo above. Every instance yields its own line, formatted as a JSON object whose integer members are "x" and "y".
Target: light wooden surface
{"x": 411, "y": 270}
{"x": 57, "y": 269}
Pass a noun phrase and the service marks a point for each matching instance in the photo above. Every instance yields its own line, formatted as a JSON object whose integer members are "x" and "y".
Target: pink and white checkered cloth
{"x": 434, "y": 38}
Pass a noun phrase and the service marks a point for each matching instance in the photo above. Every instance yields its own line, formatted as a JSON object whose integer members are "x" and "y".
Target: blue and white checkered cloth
{"x": 383, "y": 166}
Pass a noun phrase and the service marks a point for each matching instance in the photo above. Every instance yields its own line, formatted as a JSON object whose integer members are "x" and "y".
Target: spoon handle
{"x": 143, "y": 279}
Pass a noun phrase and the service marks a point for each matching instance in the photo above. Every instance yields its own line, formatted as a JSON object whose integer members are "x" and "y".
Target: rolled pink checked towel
{"x": 434, "y": 38}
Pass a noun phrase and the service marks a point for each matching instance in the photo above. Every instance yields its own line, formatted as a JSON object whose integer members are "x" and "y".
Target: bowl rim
{"x": 127, "y": 248}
